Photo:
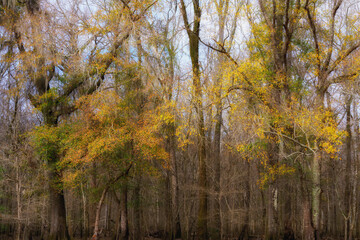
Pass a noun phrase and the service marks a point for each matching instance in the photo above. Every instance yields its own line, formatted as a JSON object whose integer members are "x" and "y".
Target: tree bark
{"x": 354, "y": 228}
{"x": 18, "y": 200}
{"x": 124, "y": 225}
{"x": 272, "y": 229}
{"x": 348, "y": 175}
{"x": 58, "y": 227}
{"x": 316, "y": 191}
{"x": 245, "y": 231}
{"x": 308, "y": 233}
{"x": 316, "y": 174}
{"x": 97, "y": 215}
{"x": 168, "y": 207}
{"x": 172, "y": 213}
{"x": 222, "y": 12}
{"x": 91, "y": 216}
{"x": 175, "y": 193}
{"x": 194, "y": 39}
{"x": 137, "y": 210}
{"x": 84, "y": 231}
{"x": 308, "y": 230}
{"x": 272, "y": 223}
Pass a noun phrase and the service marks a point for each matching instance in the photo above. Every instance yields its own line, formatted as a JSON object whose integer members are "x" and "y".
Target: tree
{"x": 193, "y": 35}
{"x": 55, "y": 80}
{"x": 325, "y": 70}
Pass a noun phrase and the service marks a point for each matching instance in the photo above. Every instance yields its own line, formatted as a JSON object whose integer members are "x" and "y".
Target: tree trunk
{"x": 124, "y": 226}
{"x": 222, "y": 13}
{"x": 137, "y": 210}
{"x": 84, "y": 231}
{"x": 58, "y": 228}
{"x": 202, "y": 213}
{"x": 272, "y": 229}
{"x": 316, "y": 172}
{"x": 193, "y": 35}
{"x": 175, "y": 192}
{"x": 91, "y": 204}
{"x": 245, "y": 231}
{"x": 348, "y": 175}
{"x": 308, "y": 233}
{"x": 172, "y": 213}
{"x": 272, "y": 223}
{"x": 97, "y": 215}
{"x": 18, "y": 200}
{"x": 308, "y": 230}
{"x": 168, "y": 207}
{"x": 315, "y": 193}
{"x": 217, "y": 171}
{"x": 355, "y": 171}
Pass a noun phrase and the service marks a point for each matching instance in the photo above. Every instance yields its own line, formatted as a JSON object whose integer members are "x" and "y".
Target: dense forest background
{"x": 179, "y": 119}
